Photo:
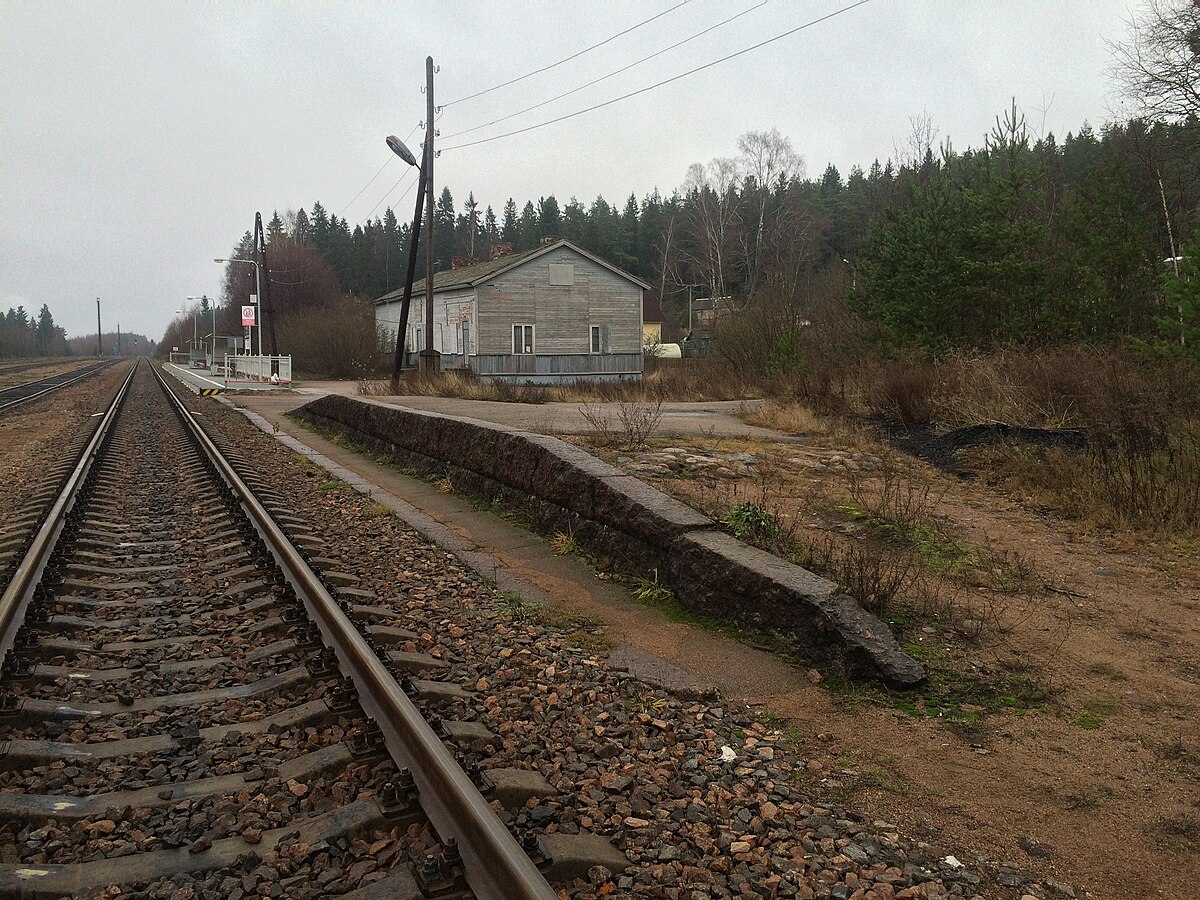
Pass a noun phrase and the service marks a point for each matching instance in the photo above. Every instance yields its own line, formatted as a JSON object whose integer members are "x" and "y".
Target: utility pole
{"x": 410, "y": 273}
{"x": 99, "y": 339}
{"x": 118, "y": 339}
{"x": 428, "y": 359}
{"x": 264, "y": 298}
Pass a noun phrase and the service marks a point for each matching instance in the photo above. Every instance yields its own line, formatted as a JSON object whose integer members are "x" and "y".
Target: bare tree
{"x": 1158, "y": 67}
{"x": 766, "y": 157}
{"x": 712, "y": 190}
{"x": 918, "y": 145}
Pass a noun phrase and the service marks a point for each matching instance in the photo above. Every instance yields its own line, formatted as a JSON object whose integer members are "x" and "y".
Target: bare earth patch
{"x": 1058, "y": 730}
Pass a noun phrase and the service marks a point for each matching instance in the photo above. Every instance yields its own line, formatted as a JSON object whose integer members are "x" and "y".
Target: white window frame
{"x": 532, "y": 333}
{"x": 596, "y": 339}
{"x": 464, "y": 337}
{"x": 418, "y": 339}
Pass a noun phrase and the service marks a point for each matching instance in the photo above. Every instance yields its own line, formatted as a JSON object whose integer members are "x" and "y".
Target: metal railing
{"x": 275, "y": 369}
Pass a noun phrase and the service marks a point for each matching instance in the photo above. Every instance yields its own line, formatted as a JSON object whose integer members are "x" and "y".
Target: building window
{"x": 601, "y": 339}
{"x": 466, "y": 338}
{"x": 418, "y": 340}
{"x": 522, "y": 339}
{"x": 562, "y": 275}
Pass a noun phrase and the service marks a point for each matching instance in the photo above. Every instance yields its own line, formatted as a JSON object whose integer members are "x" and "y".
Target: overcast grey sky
{"x": 139, "y": 139}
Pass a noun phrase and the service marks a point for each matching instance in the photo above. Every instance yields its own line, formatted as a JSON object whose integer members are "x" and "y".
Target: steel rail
{"x": 496, "y": 868}
{"x": 50, "y": 389}
{"x": 15, "y": 599}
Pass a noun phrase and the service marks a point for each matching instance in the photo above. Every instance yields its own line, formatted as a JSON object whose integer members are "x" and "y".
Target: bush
{"x": 335, "y": 340}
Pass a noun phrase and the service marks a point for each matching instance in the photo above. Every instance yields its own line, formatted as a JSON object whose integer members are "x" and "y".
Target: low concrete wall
{"x": 559, "y": 487}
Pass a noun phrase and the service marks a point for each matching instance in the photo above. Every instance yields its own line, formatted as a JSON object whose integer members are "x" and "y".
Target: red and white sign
{"x": 247, "y": 315}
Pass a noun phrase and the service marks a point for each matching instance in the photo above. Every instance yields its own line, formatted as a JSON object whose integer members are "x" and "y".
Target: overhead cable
{"x": 665, "y": 81}
{"x": 594, "y": 81}
{"x": 568, "y": 58}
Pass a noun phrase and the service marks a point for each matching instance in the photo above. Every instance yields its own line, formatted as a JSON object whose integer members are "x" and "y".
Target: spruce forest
{"x": 1022, "y": 241}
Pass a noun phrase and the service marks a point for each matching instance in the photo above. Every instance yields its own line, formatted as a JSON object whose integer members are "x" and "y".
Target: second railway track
{"x": 237, "y": 686}
{"x": 182, "y": 694}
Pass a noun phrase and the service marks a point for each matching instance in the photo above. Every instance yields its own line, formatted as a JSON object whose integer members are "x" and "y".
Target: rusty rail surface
{"x": 495, "y": 864}
{"x": 27, "y": 393}
{"x": 20, "y": 589}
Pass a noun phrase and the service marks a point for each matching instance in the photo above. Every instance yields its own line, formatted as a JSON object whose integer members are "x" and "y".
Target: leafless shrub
{"x": 639, "y": 421}
{"x": 873, "y": 576}
{"x": 905, "y": 393}
{"x": 335, "y": 340}
{"x": 598, "y": 419}
{"x": 902, "y": 499}
{"x": 634, "y": 426}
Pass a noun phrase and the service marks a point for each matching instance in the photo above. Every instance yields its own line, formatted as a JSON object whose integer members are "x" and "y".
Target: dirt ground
{"x": 22, "y": 371}
{"x": 1059, "y": 730}
{"x": 1061, "y": 737}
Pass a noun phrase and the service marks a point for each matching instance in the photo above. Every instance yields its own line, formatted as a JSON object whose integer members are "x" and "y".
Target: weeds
{"x": 564, "y": 543}
{"x": 650, "y": 591}
{"x": 751, "y": 520}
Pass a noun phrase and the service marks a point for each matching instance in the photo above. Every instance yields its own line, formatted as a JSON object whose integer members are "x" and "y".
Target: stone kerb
{"x": 712, "y": 572}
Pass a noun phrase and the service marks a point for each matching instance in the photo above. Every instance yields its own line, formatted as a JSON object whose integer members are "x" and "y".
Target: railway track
{"x": 188, "y": 688}
{"x": 20, "y": 394}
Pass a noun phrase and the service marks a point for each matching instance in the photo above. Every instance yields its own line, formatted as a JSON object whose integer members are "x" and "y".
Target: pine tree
{"x": 528, "y": 232}
{"x": 510, "y": 231}
{"x": 275, "y": 229}
{"x": 445, "y": 238}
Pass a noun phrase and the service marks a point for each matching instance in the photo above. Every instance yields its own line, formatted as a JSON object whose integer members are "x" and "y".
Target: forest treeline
{"x": 23, "y": 335}
{"x": 1024, "y": 240}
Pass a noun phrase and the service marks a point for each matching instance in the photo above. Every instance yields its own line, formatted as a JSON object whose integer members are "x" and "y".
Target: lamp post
{"x": 99, "y": 338}
{"x": 212, "y": 307}
{"x": 195, "y": 336}
{"x": 257, "y": 290}
{"x": 397, "y": 147}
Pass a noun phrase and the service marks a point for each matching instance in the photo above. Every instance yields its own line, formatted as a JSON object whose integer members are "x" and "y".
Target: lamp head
{"x": 397, "y": 147}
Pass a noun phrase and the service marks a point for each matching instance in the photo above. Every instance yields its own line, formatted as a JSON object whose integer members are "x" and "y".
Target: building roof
{"x": 470, "y": 276}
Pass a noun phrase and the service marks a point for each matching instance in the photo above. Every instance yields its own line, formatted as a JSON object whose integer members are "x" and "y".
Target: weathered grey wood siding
{"x": 572, "y": 364}
{"x": 562, "y": 315}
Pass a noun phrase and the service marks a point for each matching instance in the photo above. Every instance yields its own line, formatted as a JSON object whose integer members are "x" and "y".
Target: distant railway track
{"x": 183, "y": 692}
{"x": 15, "y": 396}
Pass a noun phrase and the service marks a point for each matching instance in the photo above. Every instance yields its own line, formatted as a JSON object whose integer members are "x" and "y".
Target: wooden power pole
{"x": 428, "y": 357}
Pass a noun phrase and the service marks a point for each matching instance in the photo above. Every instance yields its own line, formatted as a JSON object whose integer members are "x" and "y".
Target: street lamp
{"x": 397, "y": 147}
{"x": 195, "y": 337}
{"x": 213, "y": 309}
{"x": 257, "y": 290}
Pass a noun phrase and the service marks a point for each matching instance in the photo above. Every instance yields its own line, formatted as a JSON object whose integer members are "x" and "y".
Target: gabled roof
{"x": 471, "y": 276}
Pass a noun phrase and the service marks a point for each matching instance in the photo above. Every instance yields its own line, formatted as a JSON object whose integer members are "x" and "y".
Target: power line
{"x": 386, "y": 163}
{"x": 388, "y": 194}
{"x": 595, "y": 81}
{"x": 666, "y": 81}
{"x": 568, "y": 58}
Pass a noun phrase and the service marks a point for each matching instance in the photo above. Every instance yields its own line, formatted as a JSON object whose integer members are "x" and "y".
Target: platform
{"x": 203, "y": 382}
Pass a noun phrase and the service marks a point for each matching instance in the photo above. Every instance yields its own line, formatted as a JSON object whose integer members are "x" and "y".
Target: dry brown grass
{"x": 663, "y": 381}
{"x": 788, "y": 417}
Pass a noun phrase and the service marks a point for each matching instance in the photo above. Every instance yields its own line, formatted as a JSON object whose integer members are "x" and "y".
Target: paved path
{"x": 718, "y": 418}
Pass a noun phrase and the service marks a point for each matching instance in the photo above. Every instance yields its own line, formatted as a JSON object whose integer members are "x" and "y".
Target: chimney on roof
{"x": 461, "y": 262}
{"x": 499, "y": 250}
{"x": 548, "y": 240}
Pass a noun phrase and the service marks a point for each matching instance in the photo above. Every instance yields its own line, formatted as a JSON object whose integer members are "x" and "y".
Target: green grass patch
{"x": 334, "y": 484}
